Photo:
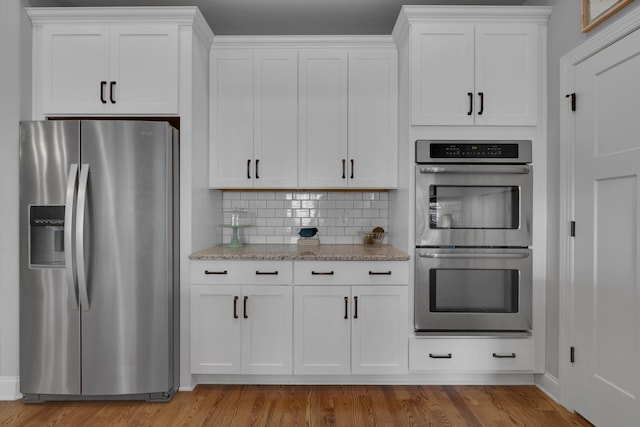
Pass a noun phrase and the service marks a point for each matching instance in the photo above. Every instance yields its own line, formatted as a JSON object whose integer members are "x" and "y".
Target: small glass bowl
{"x": 371, "y": 238}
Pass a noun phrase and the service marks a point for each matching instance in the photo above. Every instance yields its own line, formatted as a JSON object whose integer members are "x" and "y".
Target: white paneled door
{"x": 606, "y": 318}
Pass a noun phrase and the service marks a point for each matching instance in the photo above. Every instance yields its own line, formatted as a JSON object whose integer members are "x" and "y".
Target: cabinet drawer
{"x": 351, "y": 272}
{"x": 471, "y": 354}
{"x": 241, "y": 272}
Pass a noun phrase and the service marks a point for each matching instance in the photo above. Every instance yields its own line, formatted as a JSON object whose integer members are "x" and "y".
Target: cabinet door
{"x": 231, "y": 123}
{"x": 216, "y": 324}
{"x": 379, "y": 330}
{"x": 276, "y": 118}
{"x": 373, "y": 116}
{"x": 75, "y": 60}
{"x": 267, "y": 330}
{"x": 442, "y": 74}
{"x": 323, "y": 119}
{"x": 321, "y": 330}
{"x": 506, "y": 74}
{"x": 144, "y": 69}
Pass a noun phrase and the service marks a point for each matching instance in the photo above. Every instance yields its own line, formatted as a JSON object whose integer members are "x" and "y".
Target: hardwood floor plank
{"x": 309, "y": 406}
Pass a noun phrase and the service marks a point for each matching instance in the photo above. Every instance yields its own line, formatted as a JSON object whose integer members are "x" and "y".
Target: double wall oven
{"x": 474, "y": 208}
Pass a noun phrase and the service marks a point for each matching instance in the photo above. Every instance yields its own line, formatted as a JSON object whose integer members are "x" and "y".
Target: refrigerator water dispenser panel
{"x": 46, "y": 225}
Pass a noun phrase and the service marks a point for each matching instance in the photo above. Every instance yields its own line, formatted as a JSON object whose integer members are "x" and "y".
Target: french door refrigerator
{"x": 98, "y": 260}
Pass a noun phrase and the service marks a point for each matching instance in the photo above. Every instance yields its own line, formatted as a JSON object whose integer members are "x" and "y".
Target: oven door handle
{"x": 471, "y": 169}
{"x": 469, "y": 256}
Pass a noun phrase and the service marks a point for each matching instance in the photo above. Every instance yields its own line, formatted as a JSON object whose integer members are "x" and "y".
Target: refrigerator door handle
{"x": 80, "y": 217}
{"x": 69, "y": 208}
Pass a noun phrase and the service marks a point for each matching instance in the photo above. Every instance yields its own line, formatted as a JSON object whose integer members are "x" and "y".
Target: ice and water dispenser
{"x": 46, "y": 225}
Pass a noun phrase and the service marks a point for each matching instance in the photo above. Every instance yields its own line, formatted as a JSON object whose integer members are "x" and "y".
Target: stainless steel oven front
{"x": 484, "y": 290}
{"x": 473, "y": 193}
{"x": 474, "y": 208}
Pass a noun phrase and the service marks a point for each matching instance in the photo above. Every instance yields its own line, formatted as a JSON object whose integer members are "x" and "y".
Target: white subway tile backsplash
{"x": 338, "y": 215}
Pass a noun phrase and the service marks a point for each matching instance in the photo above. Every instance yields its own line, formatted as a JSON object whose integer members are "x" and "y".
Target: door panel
{"x": 323, "y": 119}
{"x": 276, "y": 118}
{"x": 73, "y": 65}
{"x": 231, "y": 112}
{"x": 322, "y": 334}
{"x": 144, "y": 66}
{"x": 607, "y": 283}
{"x": 49, "y": 324}
{"x": 127, "y": 329}
{"x": 442, "y": 74}
{"x": 267, "y": 330}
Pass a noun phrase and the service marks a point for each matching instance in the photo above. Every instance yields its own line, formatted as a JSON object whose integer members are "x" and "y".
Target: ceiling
{"x": 286, "y": 17}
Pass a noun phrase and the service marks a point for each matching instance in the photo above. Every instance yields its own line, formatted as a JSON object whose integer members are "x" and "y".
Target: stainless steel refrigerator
{"x": 98, "y": 260}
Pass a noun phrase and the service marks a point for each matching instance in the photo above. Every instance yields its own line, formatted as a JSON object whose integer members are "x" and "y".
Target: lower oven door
{"x": 473, "y": 290}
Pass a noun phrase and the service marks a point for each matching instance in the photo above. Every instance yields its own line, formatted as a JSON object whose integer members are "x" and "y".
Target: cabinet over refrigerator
{"x": 98, "y": 260}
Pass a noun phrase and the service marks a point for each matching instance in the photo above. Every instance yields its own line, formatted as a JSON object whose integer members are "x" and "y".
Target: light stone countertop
{"x": 302, "y": 253}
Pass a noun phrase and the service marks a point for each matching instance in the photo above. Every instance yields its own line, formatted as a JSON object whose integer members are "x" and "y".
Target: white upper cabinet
{"x": 373, "y": 119}
{"x": 254, "y": 118}
{"x": 474, "y": 74}
{"x": 323, "y": 118}
{"x": 348, "y": 118}
{"x": 93, "y": 68}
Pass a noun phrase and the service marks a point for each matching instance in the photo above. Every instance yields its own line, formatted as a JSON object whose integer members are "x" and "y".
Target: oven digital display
{"x": 473, "y": 151}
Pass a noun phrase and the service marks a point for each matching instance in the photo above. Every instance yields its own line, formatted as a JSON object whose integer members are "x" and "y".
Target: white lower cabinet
{"x": 238, "y": 328}
{"x": 241, "y": 329}
{"x": 340, "y": 330}
{"x": 472, "y": 354}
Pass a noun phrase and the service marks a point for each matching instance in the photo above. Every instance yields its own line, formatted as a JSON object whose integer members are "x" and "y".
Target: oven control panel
{"x": 428, "y": 151}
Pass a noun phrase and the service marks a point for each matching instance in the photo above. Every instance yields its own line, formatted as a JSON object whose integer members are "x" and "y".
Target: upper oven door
{"x": 474, "y": 205}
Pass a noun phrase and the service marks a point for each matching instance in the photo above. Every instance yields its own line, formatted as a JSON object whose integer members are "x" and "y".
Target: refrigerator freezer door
{"x": 127, "y": 330}
{"x": 49, "y": 322}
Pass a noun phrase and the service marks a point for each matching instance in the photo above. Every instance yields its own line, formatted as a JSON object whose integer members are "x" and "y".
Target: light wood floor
{"x": 297, "y": 405}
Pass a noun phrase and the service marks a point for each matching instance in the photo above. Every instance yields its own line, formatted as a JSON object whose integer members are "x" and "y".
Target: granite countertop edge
{"x": 326, "y": 252}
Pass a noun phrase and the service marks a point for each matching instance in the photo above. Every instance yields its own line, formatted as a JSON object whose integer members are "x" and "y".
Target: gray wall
{"x": 15, "y": 105}
{"x": 564, "y": 34}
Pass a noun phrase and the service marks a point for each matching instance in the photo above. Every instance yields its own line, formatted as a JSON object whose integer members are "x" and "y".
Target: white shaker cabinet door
{"x": 506, "y": 79}
{"x": 323, "y": 119}
{"x": 275, "y": 118}
{"x": 267, "y": 330}
{"x": 74, "y": 69}
{"x": 144, "y": 69}
{"x": 442, "y": 74}
{"x": 322, "y": 330}
{"x": 373, "y": 117}
{"x": 231, "y": 124}
{"x": 216, "y": 328}
{"x": 380, "y": 342}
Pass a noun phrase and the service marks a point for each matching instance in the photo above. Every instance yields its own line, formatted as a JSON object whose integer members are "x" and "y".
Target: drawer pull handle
{"x": 215, "y": 272}
{"x": 440, "y": 356}
{"x": 235, "y": 307}
{"x": 346, "y": 307}
{"x": 322, "y": 273}
{"x": 267, "y": 273}
{"x": 245, "y": 315}
{"x": 504, "y": 356}
{"x": 380, "y": 273}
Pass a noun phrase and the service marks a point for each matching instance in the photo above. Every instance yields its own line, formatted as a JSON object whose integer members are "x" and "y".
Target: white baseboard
{"x": 549, "y": 384}
{"x": 10, "y": 388}
{"x": 413, "y": 379}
